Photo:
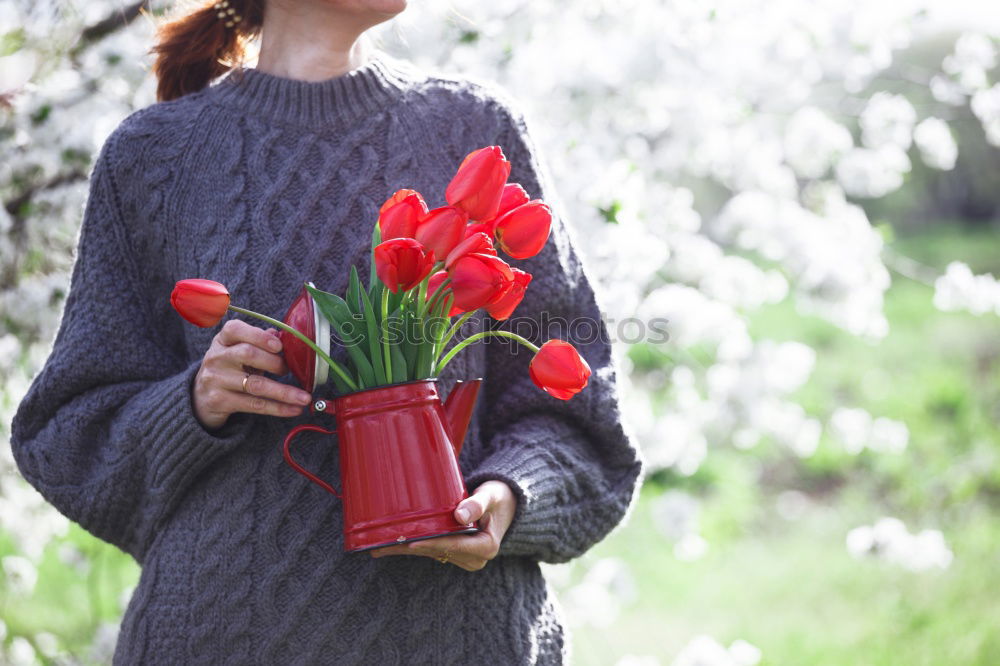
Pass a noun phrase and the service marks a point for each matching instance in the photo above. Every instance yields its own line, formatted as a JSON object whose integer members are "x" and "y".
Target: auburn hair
{"x": 195, "y": 47}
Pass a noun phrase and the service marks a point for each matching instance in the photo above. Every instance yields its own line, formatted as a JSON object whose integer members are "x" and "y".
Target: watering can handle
{"x": 299, "y": 468}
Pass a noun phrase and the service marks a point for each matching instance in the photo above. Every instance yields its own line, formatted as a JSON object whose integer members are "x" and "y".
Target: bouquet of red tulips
{"x": 428, "y": 267}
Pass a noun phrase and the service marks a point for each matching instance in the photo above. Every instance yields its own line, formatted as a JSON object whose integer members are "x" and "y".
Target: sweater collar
{"x": 362, "y": 91}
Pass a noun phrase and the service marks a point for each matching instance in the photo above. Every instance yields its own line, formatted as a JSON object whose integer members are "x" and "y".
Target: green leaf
{"x": 373, "y": 339}
{"x": 354, "y": 292}
{"x": 375, "y": 297}
{"x": 341, "y": 385}
{"x": 395, "y": 300}
{"x": 435, "y": 327}
{"x": 373, "y": 276}
{"x": 399, "y": 370}
{"x": 396, "y": 335}
{"x": 336, "y": 310}
{"x": 411, "y": 342}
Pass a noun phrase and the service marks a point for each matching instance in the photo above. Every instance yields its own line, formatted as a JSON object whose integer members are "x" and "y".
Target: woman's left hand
{"x": 493, "y": 505}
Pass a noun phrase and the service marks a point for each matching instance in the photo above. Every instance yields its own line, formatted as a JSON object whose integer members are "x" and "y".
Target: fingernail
{"x": 462, "y": 515}
{"x": 304, "y": 398}
{"x": 274, "y": 343}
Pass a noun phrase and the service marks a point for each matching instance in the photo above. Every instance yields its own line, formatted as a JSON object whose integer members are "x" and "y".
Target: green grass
{"x": 790, "y": 587}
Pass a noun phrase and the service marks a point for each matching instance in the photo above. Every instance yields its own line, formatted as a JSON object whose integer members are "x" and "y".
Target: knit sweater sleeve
{"x": 106, "y": 431}
{"x": 570, "y": 463}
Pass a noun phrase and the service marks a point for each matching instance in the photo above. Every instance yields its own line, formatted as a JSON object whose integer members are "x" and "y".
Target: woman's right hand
{"x": 218, "y": 386}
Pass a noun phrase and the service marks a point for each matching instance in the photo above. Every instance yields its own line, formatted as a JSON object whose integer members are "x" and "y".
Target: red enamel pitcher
{"x": 399, "y": 472}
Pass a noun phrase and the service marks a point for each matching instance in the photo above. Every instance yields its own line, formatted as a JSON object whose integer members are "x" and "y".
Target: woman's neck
{"x": 312, "y": 41}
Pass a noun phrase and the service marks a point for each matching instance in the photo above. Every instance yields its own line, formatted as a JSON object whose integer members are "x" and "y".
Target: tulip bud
{"x": 402, "y": 195}
{"x": 400, "y": 220}
{"x": 401, "y": 263}
{"x": 503, "y": 308}
{"x": 559, "y": 370}
{"x": 442, "y": 229}
{"x": 522, "y": 231}
{"x": 202, "y": 302}
{"x": 479, "y": 279}
{"x": 513, "y": 195}
{"x": 478, "y": 183}
{"x": 478, "y": 242}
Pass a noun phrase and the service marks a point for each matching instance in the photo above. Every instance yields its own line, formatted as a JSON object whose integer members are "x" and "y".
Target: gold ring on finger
{"x": 245, "y": 380}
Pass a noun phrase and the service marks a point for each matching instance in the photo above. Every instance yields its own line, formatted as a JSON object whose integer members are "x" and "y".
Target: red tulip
{"x": 201, "y": 302}
{"x": 433, "y": 283}
{"x": 479, "y": 279}
{"x": 442, "y": 229}
{"x": 503, "y": 308}
{"x": 559, "y": 370}
{"x": 479, "y": 227}
{"x": 402, "y": 195}
{"x": 476, "y": 243}
{"x": 513, "y": 195}
{"x": 478, "y": 183}
{"x": 522, "y": 231}
{"x": 400, "y": 214}
{"x": 401, "y": 263}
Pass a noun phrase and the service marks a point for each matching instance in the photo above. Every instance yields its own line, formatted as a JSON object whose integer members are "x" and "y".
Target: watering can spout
{"x": 458, "y": 410}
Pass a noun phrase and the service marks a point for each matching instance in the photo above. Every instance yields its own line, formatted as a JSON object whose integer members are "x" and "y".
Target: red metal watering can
{"x": 399, "y": 472}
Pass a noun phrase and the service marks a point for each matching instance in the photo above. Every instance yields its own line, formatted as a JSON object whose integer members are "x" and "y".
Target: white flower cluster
{"x": 888, "y": 120}
{"x": 857, "y": 430}
{"x": 986, "y": 106}
{"x": 936, "y": 143}
{"x": 704, "y": 650}
{"x": 832, "y": 253}
{"x": 966, "y": 75}
{"x": 742, "y": 398}
{"x": 890, "y": 540}
{"x": 960, "y": 289}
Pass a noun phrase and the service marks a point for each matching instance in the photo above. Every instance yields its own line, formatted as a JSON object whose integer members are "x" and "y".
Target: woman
{"x": 150, "y": 434}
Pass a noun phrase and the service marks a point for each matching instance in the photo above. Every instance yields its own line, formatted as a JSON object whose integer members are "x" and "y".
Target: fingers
{"x": 221, "y": 392}
{"x": 239, "y": 344}
{"x": 472, "y": 508}
{"x": 258, "y": 386}
{"x": 244, "y": 353}
{"x": 470, "y": 552}
{"x": 219, "y": 388}
{"x": 235, "y": 331}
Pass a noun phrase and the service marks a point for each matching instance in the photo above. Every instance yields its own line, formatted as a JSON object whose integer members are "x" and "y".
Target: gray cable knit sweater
{"x": 263, "y": 182}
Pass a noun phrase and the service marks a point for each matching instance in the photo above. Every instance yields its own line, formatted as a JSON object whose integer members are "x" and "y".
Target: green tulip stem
{"x": 336, "y": 367}
{"x": 385, "y": 334}
{"x": 430, "y": 304}
{"x": 451, "y": 332}
{"x": 479, "y": 336}
{"x": 421, "y": 297}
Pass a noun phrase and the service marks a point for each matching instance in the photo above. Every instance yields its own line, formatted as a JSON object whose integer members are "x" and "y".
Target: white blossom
{"x": 888, "y": 120}
{"x": 704, "y": 650}
{"x": 986, "y": 105}
{"x": 937, "y": 146}
{"x": 813, "y": 142}
{"x": 974, "y": 56}
{"x": 960, "y": 289}
{"x": 870, "y": 173}
{"x": 890, "y": 540}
